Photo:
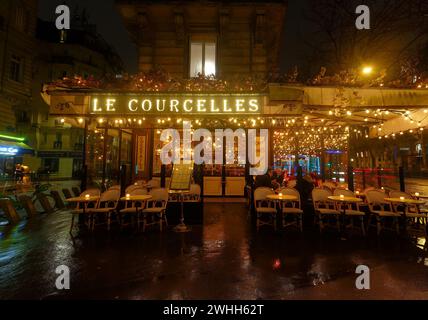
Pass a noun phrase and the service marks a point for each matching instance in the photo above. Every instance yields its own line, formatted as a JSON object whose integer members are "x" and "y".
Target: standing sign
{"x": 181, "y": 176}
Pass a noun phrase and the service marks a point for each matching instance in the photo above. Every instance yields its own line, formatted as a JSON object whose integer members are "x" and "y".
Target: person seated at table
{"x": 264, "y": 180}
{"x": 305, "y": 187}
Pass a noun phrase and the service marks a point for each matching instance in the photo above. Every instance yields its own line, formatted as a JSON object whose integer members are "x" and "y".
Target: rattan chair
{"x": 352, "y": 211}
{"x": 132, "y": 208}
{"x": 292, "y": 208}
{"x": 325, "y": 209}
{"x": 106, "y": 207}
{"x": 155, "y": 211}
{"x": 264, "y": 208}
{"x": 381, "y": 210}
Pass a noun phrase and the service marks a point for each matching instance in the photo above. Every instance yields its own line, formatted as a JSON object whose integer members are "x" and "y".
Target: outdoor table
{"x": 281, "y": 197}
{"x": 343, "y": 200}
{"x": 405, "y": 202}
{"x": 83, "y": 200}
{"x": 420, "y": 196}
{"x": 181, "y": 227}
{"x": 141, "y": 197}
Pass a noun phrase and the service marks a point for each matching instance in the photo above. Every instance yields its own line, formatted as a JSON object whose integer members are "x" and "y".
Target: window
{"x": 20, "y": 17}
{"x": 22, "y": 116}
{"x": 15, "y": 72}
{"x": 51, "y": 164}
{"x": 202, "y": 58}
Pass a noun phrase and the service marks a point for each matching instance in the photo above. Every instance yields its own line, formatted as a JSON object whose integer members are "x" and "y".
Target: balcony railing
{"x": 57, "y": 145}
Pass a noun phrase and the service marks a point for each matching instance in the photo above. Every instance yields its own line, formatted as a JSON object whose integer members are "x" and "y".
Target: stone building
{"x": 17, "y": 45}
{"x": 80, "y": 51}
{"x": 223, "y": 38}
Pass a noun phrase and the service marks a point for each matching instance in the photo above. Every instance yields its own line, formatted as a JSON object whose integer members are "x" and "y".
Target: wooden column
{"x": 322, "y": 159}
{"x": 84, "y": 170}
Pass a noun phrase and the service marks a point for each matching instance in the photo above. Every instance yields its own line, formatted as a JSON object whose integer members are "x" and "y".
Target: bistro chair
{"x": 107, "y": 205}
{"x": 153, "y": 184}
{"x": 76, "y": 191}
{"x": 293, "y": 208}
{"x": 330, "y": 185}
{"x": 59, "y": 203}
{"x": 131, "y": 188}
{"x": 264, "y": 207}
{"x": 291, "y": 183}
{"x": 353, "y": 212}
{"x": 115, "y": 187}
{"x": 325, "y": 209}
{"x": 28, "y": 205}
{"x": 86, "y": 205}
{"x": 140, "y": 182}
{"x": 67, "y": 194}
{"x": 412, "y": 212}
{"x": 381, "y": 210}
{"x": 132, "y": 208}
{"x": 194, "y": 194}
{"x": 155, "y": 209}
{"x": 9, "y": 210}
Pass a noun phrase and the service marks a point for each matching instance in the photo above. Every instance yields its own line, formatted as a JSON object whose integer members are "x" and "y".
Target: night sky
{"x": 103, "y": 14}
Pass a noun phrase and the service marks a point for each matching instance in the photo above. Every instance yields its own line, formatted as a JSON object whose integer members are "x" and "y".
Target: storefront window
{"x": 112, "y": 156}
{"x": 94, "y": 154}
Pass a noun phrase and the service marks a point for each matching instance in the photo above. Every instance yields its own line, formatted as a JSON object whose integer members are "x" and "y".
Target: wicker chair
{"x": 324, "y": 208}
{"x": 132, "y": 208}
{"x": 295, "y": 210}
{"x": 155, "y": 209}
{"x": 264, "y": 207}
{"x": 350, "y": 212}
{"x": 381, "y": 210}
{"x": 107, "y": 205}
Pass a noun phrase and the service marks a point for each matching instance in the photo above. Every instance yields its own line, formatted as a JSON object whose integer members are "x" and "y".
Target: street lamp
{"x": 367, "y": 70}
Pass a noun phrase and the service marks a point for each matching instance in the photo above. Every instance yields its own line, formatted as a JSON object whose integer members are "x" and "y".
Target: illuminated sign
{"x": 8, "y": 151}
{"x": 177, "y": 104}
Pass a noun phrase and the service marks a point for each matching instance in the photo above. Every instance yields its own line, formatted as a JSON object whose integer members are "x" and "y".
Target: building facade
{"x": 63, "y": 54}
{"x": 17, "y": 46}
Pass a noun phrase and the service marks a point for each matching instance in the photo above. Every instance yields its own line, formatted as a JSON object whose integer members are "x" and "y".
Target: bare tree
{"x": 396, "y": 28}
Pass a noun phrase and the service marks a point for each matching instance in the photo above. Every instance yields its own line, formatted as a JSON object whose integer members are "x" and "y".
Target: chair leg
{"x": 166, "y": 220}
{"x": 72, "y": 223}
{"x": 160, "y": 221}
{"x": 338, "y": 222}
{"x": 363, "y": 229}
{"x": 301, "y": 223}
{"x": 144, "y": 222}
{"x": 378, "y": 225}
{"x": 397, "y": 226}
{"x": 320, "y": 222}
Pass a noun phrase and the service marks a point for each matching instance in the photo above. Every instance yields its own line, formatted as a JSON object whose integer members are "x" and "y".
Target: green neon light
{"x": 19, "y": 139}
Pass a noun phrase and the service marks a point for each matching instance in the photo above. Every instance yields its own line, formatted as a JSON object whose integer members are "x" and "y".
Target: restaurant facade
{"x": 211, "y": 64}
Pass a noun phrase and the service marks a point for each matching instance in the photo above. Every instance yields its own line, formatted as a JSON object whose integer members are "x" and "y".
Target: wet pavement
{"x": 222, "y": 259}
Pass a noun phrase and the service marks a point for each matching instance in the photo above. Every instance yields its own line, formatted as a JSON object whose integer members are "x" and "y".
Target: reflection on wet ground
{"x": 223, "y": 259}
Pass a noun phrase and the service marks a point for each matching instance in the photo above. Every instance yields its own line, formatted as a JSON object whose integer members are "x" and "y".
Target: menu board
{"x": 181, "y": 176}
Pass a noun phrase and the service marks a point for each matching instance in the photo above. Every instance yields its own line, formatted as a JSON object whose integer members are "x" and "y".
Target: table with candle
{"x": 85, "y": 200}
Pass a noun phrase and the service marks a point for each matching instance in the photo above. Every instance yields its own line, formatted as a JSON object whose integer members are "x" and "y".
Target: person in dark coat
{"x": 264, "y": 180}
